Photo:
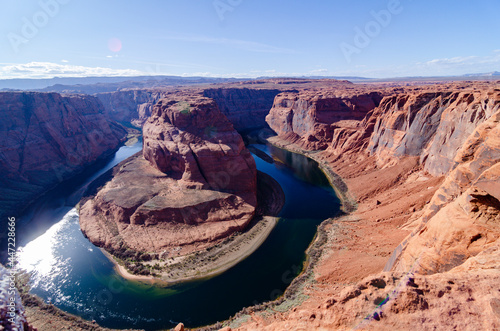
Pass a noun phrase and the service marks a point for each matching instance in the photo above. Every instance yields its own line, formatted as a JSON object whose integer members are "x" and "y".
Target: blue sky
{"x": 248, "y": 38}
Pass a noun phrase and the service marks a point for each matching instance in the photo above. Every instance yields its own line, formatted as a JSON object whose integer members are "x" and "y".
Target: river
{"x": 73, "y": 274}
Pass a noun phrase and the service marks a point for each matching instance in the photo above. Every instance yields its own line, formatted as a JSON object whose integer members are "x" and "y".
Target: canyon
{"x": 47, "y": 138}
{"x": 416, "y": 165}
{"x": 422, "y": 167}
{"x": 246, "y": 108}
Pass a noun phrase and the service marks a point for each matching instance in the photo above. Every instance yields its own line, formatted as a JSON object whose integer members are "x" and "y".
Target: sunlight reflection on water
{"x": 42, "y": 257}
{"x": 69, "y": 271}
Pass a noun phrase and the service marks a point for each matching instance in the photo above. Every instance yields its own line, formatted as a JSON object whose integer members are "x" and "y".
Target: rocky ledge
{"x": 193, "y": 185}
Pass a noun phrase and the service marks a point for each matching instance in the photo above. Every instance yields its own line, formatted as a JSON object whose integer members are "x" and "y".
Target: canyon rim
{"x": 249, "y": 165}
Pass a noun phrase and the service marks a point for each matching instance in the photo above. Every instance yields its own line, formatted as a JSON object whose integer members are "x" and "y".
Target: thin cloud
{"x": 208, "y": 74}
{"x": 460, "y": 65}
{"x": 318, "y": 71}
{"x": 50, "y": 70}
{"x": 263, "y": 72}
{"x": 453, "y": 66}
{"x": 454, "y": 61}
{"x": 251, "y": 74}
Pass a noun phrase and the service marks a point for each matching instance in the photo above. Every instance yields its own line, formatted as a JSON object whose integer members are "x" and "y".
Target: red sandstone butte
{"x": 194, "y": 184}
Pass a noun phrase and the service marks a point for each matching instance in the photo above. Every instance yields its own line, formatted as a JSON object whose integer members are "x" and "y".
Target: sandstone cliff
{"x": 194, "y": 184}
{"x": 192, "y": 141}
{"x": 424, "y": 168}
{"x": 431, "y": 125}
{"x": 462, "y": 220}
{"x": 245, "y": 108}
{"x": 46, "y": 138}
{"x": 131, "y": 106}
{"x": 309, "y": 118}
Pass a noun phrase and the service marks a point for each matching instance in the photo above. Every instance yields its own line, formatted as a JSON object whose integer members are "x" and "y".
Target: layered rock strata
{"x": 131, "y": 106}
{"x": 194, "y": 184}
{"x": 424, "y": 167}
{"x": 310, "y": 118}
{"x": 245, "y": 104}
{"x": 244, "y": 107}
{"x": 431, "y": 125}
{"x": 46, "y": 138}
{"x": 462, "y": 219}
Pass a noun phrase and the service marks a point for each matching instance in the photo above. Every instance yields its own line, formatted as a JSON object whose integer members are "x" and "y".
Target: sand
{"x": 207, "y": 263}
{"x": 224, "y": 255}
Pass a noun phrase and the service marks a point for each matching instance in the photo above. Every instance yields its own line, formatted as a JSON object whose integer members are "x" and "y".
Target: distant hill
{"x": 91, "y": 85}
{"x": 349, "y": 78}
{"x": 488, "y": 74}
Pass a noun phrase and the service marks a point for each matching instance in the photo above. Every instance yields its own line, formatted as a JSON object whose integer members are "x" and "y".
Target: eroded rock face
{"x": 462, "y": 219}
{"x": 432, "y": 125}
{"x": 245, "y": 108}
{"x": 192, "y": 141}
{"x": 405, "y": 124}
{"x": 194, "y": 184}
{"x": 454, "y": 133}
{"x": 310, "y": 118}
{"x": 444, "y": 274}
{"x": 46, "y": 138}
{"x": 134, "y": 106}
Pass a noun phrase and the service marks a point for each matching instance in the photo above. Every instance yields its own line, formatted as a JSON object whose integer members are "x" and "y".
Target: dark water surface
{"x": 70, "y": 272}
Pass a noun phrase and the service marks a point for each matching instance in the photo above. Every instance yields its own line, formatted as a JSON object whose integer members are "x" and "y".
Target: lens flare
{"x": 115, "y": 45}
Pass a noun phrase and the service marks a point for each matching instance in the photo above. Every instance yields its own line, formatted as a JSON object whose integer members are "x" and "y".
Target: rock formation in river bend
{"x": 194, "y": 184}
{"x": 46, "y": 138}
{"x": 193, "y": 142}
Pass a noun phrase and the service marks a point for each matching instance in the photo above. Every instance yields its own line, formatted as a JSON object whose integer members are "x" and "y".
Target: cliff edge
{"x": 422, "y": 248}
{"x": 46, "y": 138}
